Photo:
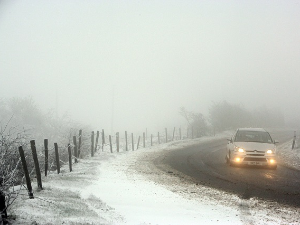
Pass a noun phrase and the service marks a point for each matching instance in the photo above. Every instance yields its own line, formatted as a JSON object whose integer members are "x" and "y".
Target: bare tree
{"x": 10, "y": 173}
{"x": 196, "y": 121}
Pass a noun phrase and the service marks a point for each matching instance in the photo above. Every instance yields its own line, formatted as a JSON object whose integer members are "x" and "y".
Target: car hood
{"x": 255, "y": 146}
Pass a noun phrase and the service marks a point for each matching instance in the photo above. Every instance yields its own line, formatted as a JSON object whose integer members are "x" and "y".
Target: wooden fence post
{"x": 103, "y": 136}
{"x": 192, "y": 132}
{"x": 151, "y": 139}
{"x": 126, "y": 143}
{"x": 92, "y": 144}
{"x": 57, "y": 158}
{"x": 117, "y": 141}
{"x": 166, "y": 135}
{"x": 79, "y": 143}
{"x": 132, "y": 143}
{"x": 75, "y": 148}
{"x": 97, "y": 139}
{"x": 180, "y": 133}
{"x": 3, "y": 212}
{"x": 173, "y": 134}
{"x": 36, "y": 164}
{"x": 294, "y": 140}
{"x": 70, "y": 157}
{"x": 144, "y": 141}
{"x": 110, "y": 144}
{"x": 46, "y": 155}
{"x": 27, "y": 178}
{"x": 137, "y": 147}
{"x": 158, "y": 138}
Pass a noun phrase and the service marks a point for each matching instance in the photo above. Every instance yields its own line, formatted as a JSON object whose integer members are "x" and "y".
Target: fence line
{"x": 77, "y": 147}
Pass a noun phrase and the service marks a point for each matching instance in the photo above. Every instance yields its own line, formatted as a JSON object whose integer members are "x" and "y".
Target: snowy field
{"x": 127, "y": 188}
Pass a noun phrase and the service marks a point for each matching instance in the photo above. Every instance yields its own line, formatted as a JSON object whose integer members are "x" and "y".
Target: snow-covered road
{"x": 127, "y": 188}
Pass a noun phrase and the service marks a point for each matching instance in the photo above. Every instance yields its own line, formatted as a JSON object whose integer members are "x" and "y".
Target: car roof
{"x": 253, "y": 129}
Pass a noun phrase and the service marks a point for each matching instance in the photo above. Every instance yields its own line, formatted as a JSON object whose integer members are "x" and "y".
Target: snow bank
{"x": 126, "y": 188}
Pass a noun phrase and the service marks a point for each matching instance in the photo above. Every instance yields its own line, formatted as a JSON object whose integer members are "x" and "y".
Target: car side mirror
{"x": 229, "y": 140}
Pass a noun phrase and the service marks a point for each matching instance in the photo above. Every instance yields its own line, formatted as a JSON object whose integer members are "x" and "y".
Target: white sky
{"x": 156, "y": 55}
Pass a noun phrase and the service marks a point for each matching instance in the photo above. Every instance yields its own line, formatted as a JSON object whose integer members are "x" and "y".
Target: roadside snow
{"x": 290, "y": 157}
{"x": 127, "y": 188}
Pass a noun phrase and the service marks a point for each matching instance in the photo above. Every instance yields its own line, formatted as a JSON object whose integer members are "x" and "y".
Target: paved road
{"x": 205, "y": 163}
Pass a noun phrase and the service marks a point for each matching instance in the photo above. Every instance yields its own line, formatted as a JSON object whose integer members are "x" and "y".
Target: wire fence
{"x": 36, "y": 159}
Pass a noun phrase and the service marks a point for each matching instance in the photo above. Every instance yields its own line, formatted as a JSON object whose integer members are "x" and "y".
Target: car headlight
{"x": 269, "y": 151}
{"x": 272, "y": 161}
{"x": 241, "y": 150}
{"x": 238, "y": 149}
{"x": 237, "y": 159}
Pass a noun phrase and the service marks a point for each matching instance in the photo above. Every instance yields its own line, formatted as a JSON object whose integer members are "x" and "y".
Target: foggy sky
{"x": 142, "y": 60}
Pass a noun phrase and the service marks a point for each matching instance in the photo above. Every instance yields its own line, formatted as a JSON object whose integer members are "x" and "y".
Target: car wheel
{"x": 273, "y": 167}
{"x": 227, "y": 160}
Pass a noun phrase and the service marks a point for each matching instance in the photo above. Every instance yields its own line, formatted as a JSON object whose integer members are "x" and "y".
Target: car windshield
{"x": 253, "y": 136}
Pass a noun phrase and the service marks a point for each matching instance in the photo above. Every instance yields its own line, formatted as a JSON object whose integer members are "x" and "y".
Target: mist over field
{"x": 131, "y": 65}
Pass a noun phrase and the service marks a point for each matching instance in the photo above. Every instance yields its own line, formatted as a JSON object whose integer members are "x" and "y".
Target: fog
{"x": 130, "y": 65}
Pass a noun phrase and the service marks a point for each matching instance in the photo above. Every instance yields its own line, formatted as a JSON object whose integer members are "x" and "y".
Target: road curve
{"x": 205, "y": 164}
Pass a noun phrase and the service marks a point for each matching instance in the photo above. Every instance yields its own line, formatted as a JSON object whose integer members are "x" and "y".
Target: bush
{"x": 196, "y": 122}
{"x": 21, "y": 122}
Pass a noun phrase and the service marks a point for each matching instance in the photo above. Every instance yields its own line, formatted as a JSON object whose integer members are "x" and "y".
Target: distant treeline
{"x": 22, "y": 117}
{"x": 226, "y": 116}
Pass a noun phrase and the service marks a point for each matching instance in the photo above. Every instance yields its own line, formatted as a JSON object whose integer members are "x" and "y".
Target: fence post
{"x": 92, "y": 144}
{"x": 144, "y": 141}
{"x": 180, "y": 133}
{"x": 27, "y": 178}
{"x": 158, "y": 138}
{"x": 110, "y": 144}
{"x": 3, "y": 212}
{"x": 36, "y": 164}
{"x": 126, "y": 143}
{"x": 57, "y": 158}
{"x": 173, "y": 134}
{"x": 103, "y": 138}
{"x": 137, "y": 147}
{"x": 46, "y": 156}
{"x": 294, "y": 140}
{"x": 132, "y": 143}
{"x": 79, "y": 143}
{"x": 192, "y": 132}
{"x": 75, "y": 148}
{"x": 151, "y": 139}
{"x": 117, "y": 140}
{"x": 70, "y": 157}
{"x": 166, "y": 135}
{"x": 97, "y": 139}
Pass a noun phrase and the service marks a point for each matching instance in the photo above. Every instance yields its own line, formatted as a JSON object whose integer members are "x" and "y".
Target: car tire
{"x": 273, "y": 167}
{"x": 227, "y": 160}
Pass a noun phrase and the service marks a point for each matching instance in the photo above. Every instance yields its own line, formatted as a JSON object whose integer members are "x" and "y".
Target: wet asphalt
{"x": 205, "y": 164}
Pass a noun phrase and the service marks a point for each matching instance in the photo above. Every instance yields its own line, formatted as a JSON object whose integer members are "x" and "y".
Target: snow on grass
{"x": 289, "y": 157}
{"x": 127, "y": 188}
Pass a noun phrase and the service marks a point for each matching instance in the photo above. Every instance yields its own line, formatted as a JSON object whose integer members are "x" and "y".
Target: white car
{"x": 251, "y": 146}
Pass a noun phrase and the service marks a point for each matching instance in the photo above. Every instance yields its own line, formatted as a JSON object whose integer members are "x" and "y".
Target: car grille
{"x": 255, "y": 153}
{"x": 255, "y": 159}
